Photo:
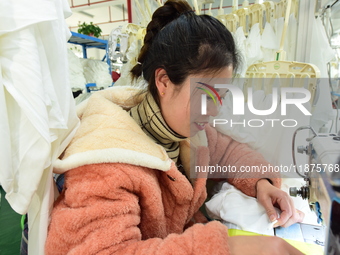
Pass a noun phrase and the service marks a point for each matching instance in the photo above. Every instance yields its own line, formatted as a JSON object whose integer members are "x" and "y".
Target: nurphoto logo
{"x": 238, "y": 100}
{"x": 281, "y": 98}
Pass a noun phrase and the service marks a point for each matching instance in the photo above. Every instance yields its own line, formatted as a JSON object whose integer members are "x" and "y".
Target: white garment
{"x": 278, "y": 27}
{"x": 253, "y": 45}
{"x": 96, "y": 71}
{"x": 76, "y": 72}
{"x": 290, "y": 43}
{"x": 269, "y": 43}
{"x": 321, "y": 54}
{"x": 125, "y": 75}
{"x": 37, "y": 111}
{"x": 239, "y": 211}
{"x": 321, "y": 51}
{"x": 240, "y": 41}
{"x": 232, "y": 206}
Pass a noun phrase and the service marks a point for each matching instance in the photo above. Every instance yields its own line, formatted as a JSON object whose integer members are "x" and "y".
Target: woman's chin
{"x": 195, "y": 128}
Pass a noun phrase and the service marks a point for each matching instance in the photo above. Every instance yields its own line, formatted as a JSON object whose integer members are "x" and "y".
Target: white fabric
{"x": 96, "y": 71}
{"x": 232, "y": 206}
{"x": 278, "y": 27}
{"x": 290, "y": 43}
{"x": 323, "y": 109}
{"x": 269, "y": 43}
{"x": 239, "y": 211}
{"x": 76, "y": 72}
{"x": 319, "y": 41}
{"x": 240, "y": 41}
{"x": 125, "y": 76}
{"x": 253, "y": 45}
{"x": 37, "y": 113}
{"x": 269, "y": 39}
{"x": 17, "y": 14}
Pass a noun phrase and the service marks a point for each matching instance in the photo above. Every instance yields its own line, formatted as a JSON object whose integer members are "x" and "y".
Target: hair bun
{"x": 170, "y": 11}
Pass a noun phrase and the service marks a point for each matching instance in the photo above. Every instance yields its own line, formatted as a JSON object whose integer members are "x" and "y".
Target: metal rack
{"x": 87, "y": 42}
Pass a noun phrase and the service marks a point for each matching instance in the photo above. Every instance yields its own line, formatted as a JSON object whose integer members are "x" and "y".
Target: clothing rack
{"x": 87, "y": 42}
{"x": 297, "y": 74}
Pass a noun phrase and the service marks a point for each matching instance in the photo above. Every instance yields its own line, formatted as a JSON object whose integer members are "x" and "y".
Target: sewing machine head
{"x": 322, "y": 189}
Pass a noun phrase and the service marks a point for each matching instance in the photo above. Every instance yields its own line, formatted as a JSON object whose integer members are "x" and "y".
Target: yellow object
{"x": 285, "y": 69}
{"x": 244, "y": 22}
{"x": 220, "y": 14}
{"x": 231, "y": 22}
{"x": 307, "y": 74}
{"x": 281, "y": 56}
{"x": 222, "y": 19}
{"x": 270, "y": 9}
{"x": 306, "y": 248}
{"x": 148, "y": 9}
{"x": 141, "y": 10}
{"x": 256, "y": 15}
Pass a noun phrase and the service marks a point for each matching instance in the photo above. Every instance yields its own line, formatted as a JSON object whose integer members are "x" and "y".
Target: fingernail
{"x": 272, "y": 218}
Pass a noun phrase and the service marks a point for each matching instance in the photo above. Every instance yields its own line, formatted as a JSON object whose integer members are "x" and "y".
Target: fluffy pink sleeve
{"x": 224, "y": 151}
{"x": 100, "y": 212}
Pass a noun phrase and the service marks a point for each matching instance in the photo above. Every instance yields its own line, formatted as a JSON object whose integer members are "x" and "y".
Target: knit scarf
{"x": 149, "y": 117}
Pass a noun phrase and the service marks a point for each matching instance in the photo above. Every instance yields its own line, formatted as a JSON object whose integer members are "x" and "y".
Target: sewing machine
{"x": 322, "y": 189}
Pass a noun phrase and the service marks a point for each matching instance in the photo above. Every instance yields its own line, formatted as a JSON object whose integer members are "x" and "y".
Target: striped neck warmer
{"x": 149, "y": 117}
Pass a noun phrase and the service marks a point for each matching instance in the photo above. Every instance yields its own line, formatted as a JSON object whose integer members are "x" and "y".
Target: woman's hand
{"x": 264, "y": 245}
{"x": 270, "y": 196}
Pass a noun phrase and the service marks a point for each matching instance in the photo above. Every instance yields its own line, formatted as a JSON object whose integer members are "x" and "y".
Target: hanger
{"x": 243, "y": 15}
{"x": 308, "y": 73}
{"x": 220, "y": 14}
{"x": 256, "y": 15}
{"x": 269, "y": 11}
{"x": 145, "y": 19}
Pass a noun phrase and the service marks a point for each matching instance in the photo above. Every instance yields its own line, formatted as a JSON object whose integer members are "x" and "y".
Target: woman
{"x": 127, "y": 188}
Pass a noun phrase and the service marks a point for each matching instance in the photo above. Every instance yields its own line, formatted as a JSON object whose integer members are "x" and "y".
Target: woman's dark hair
{"x": 183, "y": 43}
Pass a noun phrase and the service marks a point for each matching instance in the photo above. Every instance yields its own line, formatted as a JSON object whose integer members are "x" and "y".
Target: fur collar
{"x": 108, "y": 134}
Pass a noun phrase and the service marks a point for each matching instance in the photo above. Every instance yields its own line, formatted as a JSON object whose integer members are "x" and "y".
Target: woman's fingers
{"x": 297, "y": 216}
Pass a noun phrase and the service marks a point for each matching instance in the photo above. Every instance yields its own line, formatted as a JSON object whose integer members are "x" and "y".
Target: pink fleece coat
{"x": 123, "y": 195}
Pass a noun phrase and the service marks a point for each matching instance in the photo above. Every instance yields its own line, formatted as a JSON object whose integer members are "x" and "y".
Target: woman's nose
{"x": 213, "y": 109}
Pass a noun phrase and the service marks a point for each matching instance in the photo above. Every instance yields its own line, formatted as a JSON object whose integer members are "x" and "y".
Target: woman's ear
{"x": 162, "y": 81}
